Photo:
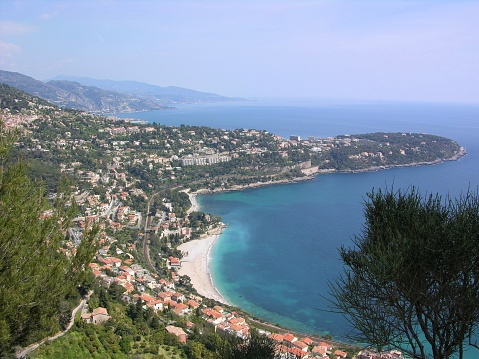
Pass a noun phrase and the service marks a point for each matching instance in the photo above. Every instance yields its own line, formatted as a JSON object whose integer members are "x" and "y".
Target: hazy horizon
{"x": 361, "y": 50}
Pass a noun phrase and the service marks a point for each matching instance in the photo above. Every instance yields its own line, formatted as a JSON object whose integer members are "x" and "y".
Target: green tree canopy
{"x": 256, "y": 346}
{"x": 35, "y": 276}
{"x": 412, "y": 280}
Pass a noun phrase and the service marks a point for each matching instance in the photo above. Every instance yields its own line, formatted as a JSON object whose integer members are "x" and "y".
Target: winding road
{"x": 22, "y": 353}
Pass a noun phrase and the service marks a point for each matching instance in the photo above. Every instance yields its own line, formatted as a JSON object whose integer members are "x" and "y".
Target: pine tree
{"x": 34, "y": 275}
{"x": 412, "y": 280}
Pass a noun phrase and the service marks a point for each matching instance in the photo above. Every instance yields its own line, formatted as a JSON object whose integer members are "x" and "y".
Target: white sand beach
{"x": 194, "y": 203}
{"x": 195, "y": 266}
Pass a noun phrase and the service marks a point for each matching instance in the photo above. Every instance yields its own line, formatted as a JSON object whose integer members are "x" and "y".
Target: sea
{"x": 279, "y": 253}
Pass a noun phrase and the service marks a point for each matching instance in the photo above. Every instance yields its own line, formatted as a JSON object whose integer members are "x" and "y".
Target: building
{"x": 178, "y": 332}
{"x": 99, "y": 315}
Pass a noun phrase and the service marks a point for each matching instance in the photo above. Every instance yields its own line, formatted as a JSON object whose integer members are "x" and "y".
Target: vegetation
{"x": 134, "y": 332}
{"x": 412, "y": 280}
{"x": 116, "y": 169}
{"x": 37, "y": 281}
{"x": 257, "y": 346}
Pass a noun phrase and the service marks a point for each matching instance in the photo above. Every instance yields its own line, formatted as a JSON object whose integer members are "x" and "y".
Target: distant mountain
{"x": 166, "y": 95}
{"x": 17, "y": 100}
{"x": 89, "y": 96}
{"x": 74, "y": 95}
{"x": 33, "y": 87}
{"x": 96, "y": 99}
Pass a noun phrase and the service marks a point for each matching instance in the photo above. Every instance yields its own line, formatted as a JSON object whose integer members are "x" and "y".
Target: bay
{"x": 281, "y": 245}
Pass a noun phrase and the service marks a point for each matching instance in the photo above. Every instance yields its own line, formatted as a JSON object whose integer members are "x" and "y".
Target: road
{"x": 146, "y": 250}
{"x": 25, "y": 351}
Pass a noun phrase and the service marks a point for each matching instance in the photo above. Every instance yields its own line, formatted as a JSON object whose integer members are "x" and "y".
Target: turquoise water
{"x": 281, "y": 245}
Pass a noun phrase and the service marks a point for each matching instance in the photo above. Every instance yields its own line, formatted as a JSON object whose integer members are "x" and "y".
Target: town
{"x": 133, "y": 180}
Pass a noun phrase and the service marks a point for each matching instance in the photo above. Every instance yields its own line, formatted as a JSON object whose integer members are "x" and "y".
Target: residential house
{"x": 289, "y": 339}
{"x": 99, "y": 315}
{"x": 178, "y": 332}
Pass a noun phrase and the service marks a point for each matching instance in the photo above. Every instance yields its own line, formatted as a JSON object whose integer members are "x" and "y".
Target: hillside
{"x": 132, "y": 179}
{"x": 167, "y": 95}
{"x": 106, "y": 96}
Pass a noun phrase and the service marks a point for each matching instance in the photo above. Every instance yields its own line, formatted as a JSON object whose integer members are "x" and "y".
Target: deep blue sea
{"x": 281, "y": 245}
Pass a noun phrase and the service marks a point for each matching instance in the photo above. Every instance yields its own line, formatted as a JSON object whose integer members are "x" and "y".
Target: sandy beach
{"x": 195, "y": 207}
{"x": 195, "y": 261}
{"x": 195, "y": 266}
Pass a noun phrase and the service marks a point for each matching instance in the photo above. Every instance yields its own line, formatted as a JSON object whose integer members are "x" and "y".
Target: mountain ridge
{"x": 132, "y": 86}
{"x": 113, "y": 97}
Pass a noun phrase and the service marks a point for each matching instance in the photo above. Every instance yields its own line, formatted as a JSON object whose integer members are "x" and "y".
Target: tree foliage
{"x": 412, "y": 280}
{"x": 34, "y": 275}
{"x": 256, "y": 346}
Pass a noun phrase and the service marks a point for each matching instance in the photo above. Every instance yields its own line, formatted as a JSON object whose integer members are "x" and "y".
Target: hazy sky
{"x": 357, "y": 49}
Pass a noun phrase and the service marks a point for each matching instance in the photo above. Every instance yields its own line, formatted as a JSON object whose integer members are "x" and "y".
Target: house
{"x": 307, "y": 341}
{"x": 177, "y": 297}
{"x": 276, "y": 337}
{"x": 297, "y": 353}
{"x": 192, "y": 304}
{"x": 174, "y": 262}
{"x": 182, "y": 307}
{"x": 237, "y": 321}
{"x": 319, "y": 350}
{"x": 147, "y": 298}
{"x": 129, "y": 287}
{"x": 325, "y": 346}
{"x": 178, "y": 332}
{"x": 214, "y": 315}
{"x": 128, "y": 270}
{"x": 165, "y": 295}
{"x": 300, "y": 345}
{"x": 237, "y": 329}
{"x": 99, "y": 315}
{"x": 340, "y": 354}
{"x": 289, "y": 339}
{"x": 155, "y": 305}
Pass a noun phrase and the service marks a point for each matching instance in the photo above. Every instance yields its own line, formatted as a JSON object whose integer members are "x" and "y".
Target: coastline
{"x": 195, "y": 264}
{"x": 194, "y": 203}
{"x": 197, "y": 253}
{"x": 311, "y": 172}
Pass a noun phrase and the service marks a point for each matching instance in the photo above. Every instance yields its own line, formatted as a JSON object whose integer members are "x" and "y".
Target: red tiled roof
{"x": 340, "y": 353}
{"x": 181, "y": 306}
{"x": 307, "y": 341}
{"x": 300, "y": 345}
{"x": 277, "y": 337}
{"x": 290, "y": 337}
{"x": 236, "y": 327}
{"x": 99, "y": 310}
{"x": 193, "y": 304}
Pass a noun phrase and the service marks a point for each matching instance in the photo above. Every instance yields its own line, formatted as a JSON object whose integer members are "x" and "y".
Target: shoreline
{"x": 196, "y": 265}
{"x": 310, "y": 174}
{"x": 195, "y": 207}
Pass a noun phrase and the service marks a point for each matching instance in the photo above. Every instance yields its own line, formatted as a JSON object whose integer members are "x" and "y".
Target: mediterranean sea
{"x": 280, "y": 248}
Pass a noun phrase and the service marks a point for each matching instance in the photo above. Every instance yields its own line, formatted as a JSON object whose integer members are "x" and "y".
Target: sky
{"x": 332, "y": 49}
